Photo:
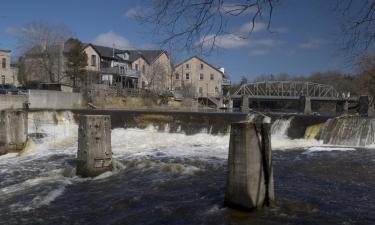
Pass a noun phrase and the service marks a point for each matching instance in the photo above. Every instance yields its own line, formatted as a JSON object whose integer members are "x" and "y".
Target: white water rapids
{"x": 54, "y": 134}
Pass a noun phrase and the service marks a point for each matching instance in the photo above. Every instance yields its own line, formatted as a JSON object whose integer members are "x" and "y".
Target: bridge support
{"x": 13, "y": 130}
{"x": 363, "y": 108}
{"x": 245, "y": 103}
{"x": 342, "y": 107}
{"x": 94, "y": 145}
{"x": 305, "y": 105}
{"x": 250, "y": 178}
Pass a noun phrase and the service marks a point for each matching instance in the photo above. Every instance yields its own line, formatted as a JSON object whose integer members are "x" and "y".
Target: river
{"x": 174, "y": 178}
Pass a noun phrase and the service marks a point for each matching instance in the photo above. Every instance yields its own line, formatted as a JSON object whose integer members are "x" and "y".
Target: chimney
{"x": 222, "y": 69}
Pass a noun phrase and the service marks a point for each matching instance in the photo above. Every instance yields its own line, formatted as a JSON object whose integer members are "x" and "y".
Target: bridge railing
{"x": 288, "y": 89}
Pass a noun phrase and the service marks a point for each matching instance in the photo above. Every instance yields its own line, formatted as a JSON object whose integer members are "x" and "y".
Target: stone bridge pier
{"x": 94, "y": 145}
{"x": 13, "y": 130}
{"x": 342, "y": 107}
{"x": 305, "y": 105}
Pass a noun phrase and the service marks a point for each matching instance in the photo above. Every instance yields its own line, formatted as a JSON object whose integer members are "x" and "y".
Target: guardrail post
{"x": 94, "y": 145}
{"x": 250, "y": 177}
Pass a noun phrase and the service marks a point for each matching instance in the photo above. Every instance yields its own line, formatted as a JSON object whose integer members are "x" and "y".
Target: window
{"x": 187, "y": 65}
{"x": 143, "y": 69}
{"x": 177, "y": 76}
{"x": 136, "y": 67}
{"x": 211, "y": 76}
{"x": 3, "y": 79}
{"x": 93, "y": 60}
{"x": 201, "y": 76}
{"x": 4, "y": 63}
{"x": 216, "y": 89}
{"x": 201, "y": 66}
{"x": 187, "y": 76}
{"x": 200, "y": 90}
{"x": 122, "y": 70}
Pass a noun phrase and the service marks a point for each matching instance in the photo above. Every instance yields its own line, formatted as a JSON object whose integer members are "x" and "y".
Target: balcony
{"x": 226, "y": 82}
{"x": 121, "y": 72}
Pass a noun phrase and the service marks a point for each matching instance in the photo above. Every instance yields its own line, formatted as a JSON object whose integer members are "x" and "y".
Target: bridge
{"x": 302, "y": 92}
{"x": 290, "y": 90}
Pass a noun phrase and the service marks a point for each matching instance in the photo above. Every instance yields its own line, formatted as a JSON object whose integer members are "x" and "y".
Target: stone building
{"x": 147, "y": 69}
{"x": 45, "y": 64}
{"x": 204, "y": 79}
{"x": 8, "y": 73}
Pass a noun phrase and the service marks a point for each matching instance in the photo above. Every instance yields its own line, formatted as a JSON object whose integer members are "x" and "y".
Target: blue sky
{"x": 306, "y": 40}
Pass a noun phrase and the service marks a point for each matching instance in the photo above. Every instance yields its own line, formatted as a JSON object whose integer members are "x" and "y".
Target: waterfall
{"x": 351, "y": 130}
{"x": 280, "y": 127}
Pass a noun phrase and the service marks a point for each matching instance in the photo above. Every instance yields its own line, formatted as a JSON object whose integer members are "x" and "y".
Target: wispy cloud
{"x": 252, "y": 27}
{"x": 111, "y": 38}
{"x": 134, "y": 12}
{"x": 280, "y": 30}
{"x": 267, "y": 42}
{"x": 260, "y": 52}
{"x": 236, "y": 9}
{"x": 312, "y": 43}
{"x": 226, "y": 41}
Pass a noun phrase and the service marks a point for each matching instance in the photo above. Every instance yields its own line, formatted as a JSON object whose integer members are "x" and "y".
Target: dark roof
{"x": 202, "y": 61}
{"x": 107, "y": 52}
{"x": 149, "y": 55}
{"x": 2, "y": 50}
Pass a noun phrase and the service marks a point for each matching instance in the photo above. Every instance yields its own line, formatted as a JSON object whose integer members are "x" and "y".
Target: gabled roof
{"x": 203, "y": 62}
{"x": 148, "y": 55}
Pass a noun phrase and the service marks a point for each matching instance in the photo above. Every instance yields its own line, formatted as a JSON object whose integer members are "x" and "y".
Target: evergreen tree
{"x": 76, "y": 61}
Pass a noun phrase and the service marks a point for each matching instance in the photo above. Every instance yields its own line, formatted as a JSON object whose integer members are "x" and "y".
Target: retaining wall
{"x": 43, "y": 99}
{"x": 12, "y": 101}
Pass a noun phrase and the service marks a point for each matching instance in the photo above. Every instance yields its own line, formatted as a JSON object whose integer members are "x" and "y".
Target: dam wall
{"x": 12, "y": 101}
{"x": 43, "y": 99}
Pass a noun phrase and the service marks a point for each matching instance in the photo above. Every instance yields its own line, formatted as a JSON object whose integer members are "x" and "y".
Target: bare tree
{"x": 200, "y": 24}
{"x": 195, "y": 24}
{"x": 157, "y": 77}
{"x": 366, "y": 75}
{"x": 42, "y": 46}
{"x": 358, "y": 25}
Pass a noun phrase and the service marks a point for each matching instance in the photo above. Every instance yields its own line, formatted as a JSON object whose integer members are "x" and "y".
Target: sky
{"x": 303, "y": 41}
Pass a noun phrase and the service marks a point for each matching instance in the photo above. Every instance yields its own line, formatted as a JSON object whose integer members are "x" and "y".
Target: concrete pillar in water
{"x": 245, "y": 103}
{"x": 363, "y": 107}
{"x": 94, "y": 145}
{"x": 342, "y": 107}
{"x": 250, "y": 177}
{"x": 13, "y": 130}
{"x": 305, "y": 105}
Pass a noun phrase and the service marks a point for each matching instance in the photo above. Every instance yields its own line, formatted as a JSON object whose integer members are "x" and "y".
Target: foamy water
{"x": 45, "y": 170}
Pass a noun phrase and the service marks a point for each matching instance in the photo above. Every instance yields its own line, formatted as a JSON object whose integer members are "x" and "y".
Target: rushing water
{"x": 173, "y": 178}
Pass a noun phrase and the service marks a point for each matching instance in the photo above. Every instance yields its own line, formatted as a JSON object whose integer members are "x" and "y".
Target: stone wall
{"x": 12, "y": 101}
{"x": 43, "y": 99}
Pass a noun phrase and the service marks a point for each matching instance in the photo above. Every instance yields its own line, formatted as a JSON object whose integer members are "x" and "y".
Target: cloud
{"x": 231, "y": 41}
{"x": 267, "y": 42}
{"x": 260, "y": 52}
{"x": 311, "y": 44}
{"x": 226, "y": 41}
{"x": 250, "y": 27}
{"x": 280, "y": 30}
{"x": 111, "y": 38}
{"x": 134, "y": 12}
{"x": 234, "y": 9}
